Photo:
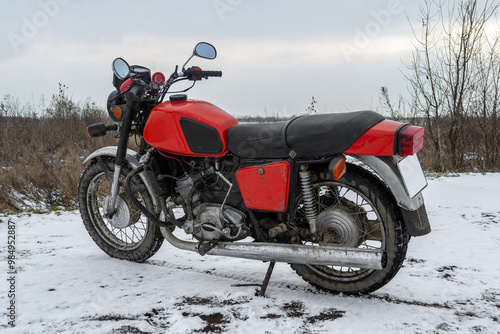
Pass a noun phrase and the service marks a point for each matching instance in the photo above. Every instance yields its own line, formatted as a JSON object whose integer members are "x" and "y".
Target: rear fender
{"x": 380, "y": 140}
{"x": 132, "y": 159}
{"x": 413, "y": 210}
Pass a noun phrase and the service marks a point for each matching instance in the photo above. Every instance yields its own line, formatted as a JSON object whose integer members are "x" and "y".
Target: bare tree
{"x": 486, "y": 102}
{"x": 453, "y": 60}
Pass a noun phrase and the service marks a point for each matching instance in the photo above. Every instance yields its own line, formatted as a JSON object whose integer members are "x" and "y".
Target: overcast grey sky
{"x": 274, "y": 55}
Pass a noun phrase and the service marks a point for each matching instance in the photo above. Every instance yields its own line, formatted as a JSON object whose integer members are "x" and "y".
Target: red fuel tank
{"x": 189, "y": 127}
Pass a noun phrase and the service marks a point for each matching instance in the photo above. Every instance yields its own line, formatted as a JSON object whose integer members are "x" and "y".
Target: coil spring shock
{"x": 309, "y": 199}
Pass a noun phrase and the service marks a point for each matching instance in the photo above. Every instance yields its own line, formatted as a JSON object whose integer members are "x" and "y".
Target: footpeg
{"x": 275, "y": 231}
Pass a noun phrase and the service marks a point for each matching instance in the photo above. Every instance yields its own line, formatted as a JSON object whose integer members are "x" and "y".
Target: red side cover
{"x": 265, "y": 187}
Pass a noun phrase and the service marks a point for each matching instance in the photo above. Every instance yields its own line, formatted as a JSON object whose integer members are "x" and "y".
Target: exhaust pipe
{"x": 290, "y": 253}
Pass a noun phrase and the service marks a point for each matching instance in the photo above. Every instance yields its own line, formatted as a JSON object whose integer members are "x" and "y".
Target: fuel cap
{"x": 178, "y": 97}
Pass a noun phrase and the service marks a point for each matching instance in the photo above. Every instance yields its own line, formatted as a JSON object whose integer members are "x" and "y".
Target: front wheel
{"x": 128, "y": 235}
{"x": 356, "y": 211}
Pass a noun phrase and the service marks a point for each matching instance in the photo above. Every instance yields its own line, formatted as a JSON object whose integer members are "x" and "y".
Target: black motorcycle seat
{"x": 302, "y": 137}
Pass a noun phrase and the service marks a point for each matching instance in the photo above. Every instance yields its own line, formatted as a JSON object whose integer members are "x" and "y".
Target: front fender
{"x": 413, "y": 210}
{"x": 132, "y": 159}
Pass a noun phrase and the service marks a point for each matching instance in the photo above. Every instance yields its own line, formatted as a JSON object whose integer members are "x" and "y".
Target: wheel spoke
{"x": 136, "y": 237}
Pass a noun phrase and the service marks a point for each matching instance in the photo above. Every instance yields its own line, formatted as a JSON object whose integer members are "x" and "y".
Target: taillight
{"x": 410, "y": 140}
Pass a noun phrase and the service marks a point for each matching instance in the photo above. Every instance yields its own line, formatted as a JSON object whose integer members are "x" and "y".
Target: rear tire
{"x": 378, "y": 224}
{"x": 129, "y": 235}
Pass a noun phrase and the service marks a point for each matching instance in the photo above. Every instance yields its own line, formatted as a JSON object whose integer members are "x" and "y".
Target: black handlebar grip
{"x": 134, "y": 90}
{"x": 212, "y": 73}
{"x": 112, "y": 127}
{"x": 99, "y": 129}
{"x": 195, "y": 74}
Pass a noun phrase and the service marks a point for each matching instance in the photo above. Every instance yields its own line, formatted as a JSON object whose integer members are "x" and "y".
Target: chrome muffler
{"x": 290, "y": 253}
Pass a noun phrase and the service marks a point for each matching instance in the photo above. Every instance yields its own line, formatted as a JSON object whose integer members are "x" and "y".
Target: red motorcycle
{"x": 335, "y": 195}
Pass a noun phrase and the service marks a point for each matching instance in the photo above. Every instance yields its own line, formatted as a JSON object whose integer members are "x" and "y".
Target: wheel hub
{"x": 123, "y": 217}
{"x": 342, "y": 223}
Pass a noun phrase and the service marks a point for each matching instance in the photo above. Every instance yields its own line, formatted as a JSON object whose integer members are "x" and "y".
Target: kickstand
{"x": 263, "y": 286}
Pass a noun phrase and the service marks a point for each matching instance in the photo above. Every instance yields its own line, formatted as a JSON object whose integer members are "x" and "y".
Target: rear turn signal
{"x": 410, "y": 140}
{"x": 337, "y": 168}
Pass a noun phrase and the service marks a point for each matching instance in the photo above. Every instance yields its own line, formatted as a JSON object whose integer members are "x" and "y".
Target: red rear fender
{"x": 379, "y": 140}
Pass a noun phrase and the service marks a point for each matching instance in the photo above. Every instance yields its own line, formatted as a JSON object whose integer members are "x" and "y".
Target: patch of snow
{"x": 450, "y": 282}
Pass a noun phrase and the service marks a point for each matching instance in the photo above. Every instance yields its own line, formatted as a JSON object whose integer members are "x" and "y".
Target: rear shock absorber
{"x": 309, "y": 195}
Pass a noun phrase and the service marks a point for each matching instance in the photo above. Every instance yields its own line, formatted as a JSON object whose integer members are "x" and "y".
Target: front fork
{"x": 110, "y": 209}
{"x": 128, "y": 116}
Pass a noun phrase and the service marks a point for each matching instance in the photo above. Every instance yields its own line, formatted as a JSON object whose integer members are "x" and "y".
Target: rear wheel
{"x": 128, "y": 234}
{"x": 355, "y": 211}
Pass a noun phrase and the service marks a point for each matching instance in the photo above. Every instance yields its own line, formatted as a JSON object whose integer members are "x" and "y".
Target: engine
{"x": 205, "y": 220}
{"x": 212, "y": 222}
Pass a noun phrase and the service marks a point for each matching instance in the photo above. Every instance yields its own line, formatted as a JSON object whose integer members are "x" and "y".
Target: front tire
{"x": 375, "y": 222}
{"x": 128, "y": 235}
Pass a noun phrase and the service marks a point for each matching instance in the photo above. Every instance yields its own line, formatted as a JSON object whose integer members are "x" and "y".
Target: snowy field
{"x": 450, "y": 282}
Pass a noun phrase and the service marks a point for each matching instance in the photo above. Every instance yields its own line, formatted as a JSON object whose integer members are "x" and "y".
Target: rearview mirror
{"x": 205, "y": 50}
{"x": 202, "y": 50}
{"x": 120, "y": 68}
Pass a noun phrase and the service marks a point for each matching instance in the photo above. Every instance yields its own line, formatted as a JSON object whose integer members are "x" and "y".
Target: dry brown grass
{"x": 478, "y": 148}
{"x": 43, "y": 150}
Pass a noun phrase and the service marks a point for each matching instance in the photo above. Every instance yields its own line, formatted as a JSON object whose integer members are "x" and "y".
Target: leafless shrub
{"x": 454, "y": 81}
{"x": 43, "y": 150}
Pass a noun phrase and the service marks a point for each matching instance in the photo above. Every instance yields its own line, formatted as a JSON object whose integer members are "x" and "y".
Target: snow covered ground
{"x": 450, "y": 282}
